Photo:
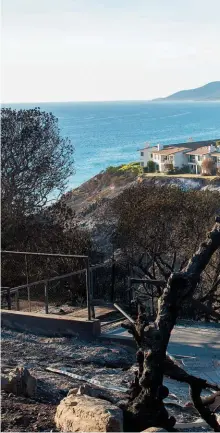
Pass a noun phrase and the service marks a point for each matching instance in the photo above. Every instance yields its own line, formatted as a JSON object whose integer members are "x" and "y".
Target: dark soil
{"x": 23, "y": 414}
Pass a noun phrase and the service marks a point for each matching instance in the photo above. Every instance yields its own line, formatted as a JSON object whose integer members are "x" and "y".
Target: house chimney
{"x": 159, "y": 146}
{"x": 211, "y": 148}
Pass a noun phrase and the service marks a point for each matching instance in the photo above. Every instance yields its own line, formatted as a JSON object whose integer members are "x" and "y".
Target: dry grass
{"x": 186, "y": 175}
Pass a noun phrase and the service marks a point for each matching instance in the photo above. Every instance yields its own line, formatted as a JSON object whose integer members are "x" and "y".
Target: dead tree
{"x": 145, "y": 407}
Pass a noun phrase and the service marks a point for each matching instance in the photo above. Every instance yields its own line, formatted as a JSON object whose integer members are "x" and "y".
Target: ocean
{"x": 110, "y": 133}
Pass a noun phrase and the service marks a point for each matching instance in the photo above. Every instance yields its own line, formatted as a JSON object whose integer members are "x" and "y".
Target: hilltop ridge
{"x": 208, "y": 92}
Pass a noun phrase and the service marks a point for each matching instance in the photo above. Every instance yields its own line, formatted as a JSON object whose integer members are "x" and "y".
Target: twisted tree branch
{"x": 145, "y": 407}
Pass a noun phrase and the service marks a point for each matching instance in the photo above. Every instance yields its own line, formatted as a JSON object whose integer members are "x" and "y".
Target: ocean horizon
{"x": 111, "y": 132}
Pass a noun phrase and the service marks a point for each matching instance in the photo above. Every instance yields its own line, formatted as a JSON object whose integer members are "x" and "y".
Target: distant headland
{"x": 208, "y": 92}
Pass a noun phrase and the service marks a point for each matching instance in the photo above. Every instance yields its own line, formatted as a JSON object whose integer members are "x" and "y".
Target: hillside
{"x": 91, "y": 200}
{"x": 208, "y": 92}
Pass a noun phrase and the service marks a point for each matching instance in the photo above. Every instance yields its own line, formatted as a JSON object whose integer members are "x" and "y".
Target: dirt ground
{"x": 20, "y": 414}
{"x": 104, "y": 362}
{"x": 108, "y": 363}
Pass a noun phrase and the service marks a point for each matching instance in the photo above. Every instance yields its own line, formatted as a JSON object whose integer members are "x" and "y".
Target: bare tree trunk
{"x": 145, "y": 407}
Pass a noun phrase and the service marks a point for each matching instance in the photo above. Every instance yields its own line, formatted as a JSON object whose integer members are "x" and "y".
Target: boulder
{"x": 19, "y": 382}
{"x": 82, "y": 413}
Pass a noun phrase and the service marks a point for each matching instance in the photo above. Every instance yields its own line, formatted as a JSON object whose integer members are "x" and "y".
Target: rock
{"x": 4, "y": 383}
{"x": 72, "y": 391}
{"x": 82, "y": 413}
{"x": 154, "y": 429}
{"x": 93, "y": 391}
{"x": 90, "y": 391}
{"x": 19, "y": 382}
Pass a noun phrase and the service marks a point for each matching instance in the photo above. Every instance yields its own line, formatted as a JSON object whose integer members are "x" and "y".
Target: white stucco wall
{"x": 180, "y": 159}
{"x": 146, "y": 156}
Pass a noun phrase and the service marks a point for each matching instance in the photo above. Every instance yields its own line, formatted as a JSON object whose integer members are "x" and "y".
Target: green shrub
{"x": 183, "y": 170}
{"x": 151, "y": 167}
{"x": 130, "y": 169}
{"x": 112, "y": 170}
{"x": 133, "y": 168}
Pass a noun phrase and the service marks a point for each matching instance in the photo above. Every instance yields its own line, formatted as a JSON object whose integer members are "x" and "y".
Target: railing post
{"x": 91, "y": 293}
{"x": 27, "y": 279}
{"x": 9, "y": 298}
{"x": 129, "y": 293}
{"x": 88, "y": 289}
{"x": 46, "y": 297}
{"x": 29, "y": 297}
{"x": 113, "y": 278}
{"x": 17, "y": 300}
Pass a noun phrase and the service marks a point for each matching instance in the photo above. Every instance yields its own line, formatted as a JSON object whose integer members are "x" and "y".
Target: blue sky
{"x": 80, "y": 50}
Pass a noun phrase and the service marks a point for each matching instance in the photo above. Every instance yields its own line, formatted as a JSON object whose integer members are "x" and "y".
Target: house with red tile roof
{"x": 177, "y": 156}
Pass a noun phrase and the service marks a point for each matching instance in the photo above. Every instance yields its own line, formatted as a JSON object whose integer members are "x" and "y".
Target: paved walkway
{"x": 198, "y": 348}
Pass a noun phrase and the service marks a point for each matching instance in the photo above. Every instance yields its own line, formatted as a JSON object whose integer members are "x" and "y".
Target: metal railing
{"x": 149, "y": 282}
{"x": 45, "y": 281}
{"x": 8, "y": 292}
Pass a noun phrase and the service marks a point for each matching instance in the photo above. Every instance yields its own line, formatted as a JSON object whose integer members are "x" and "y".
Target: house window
{"x": 151, "y": 155}
{"x": 199, "y": 158}
{"x": 142, "y": 153}
{"x": 192, "y": 158}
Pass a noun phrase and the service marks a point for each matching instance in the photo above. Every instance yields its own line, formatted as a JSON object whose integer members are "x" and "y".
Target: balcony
{"x": 168, "y": 158}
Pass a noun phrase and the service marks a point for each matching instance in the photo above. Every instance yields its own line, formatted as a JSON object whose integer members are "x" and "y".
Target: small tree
{"x": 208, "y": 166}
{"x": 36, "y": 160}
{"x": 158, "y": 228}
{"x": 36, "y": 163}
{"x": 145, "y": 406}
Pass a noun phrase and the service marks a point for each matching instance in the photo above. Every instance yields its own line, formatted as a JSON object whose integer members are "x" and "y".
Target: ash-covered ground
{"x": 108, "y": 363}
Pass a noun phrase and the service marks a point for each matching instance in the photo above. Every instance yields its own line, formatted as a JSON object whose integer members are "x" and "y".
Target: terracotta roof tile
{"x": 200, "y": 151}
{"x": 216, "y": 154}
{"x": 170, "y": 150}
{"x": 191, "y": 145}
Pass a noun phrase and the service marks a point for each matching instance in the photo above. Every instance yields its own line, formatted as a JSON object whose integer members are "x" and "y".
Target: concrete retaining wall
{"x": 50, "y": 324}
